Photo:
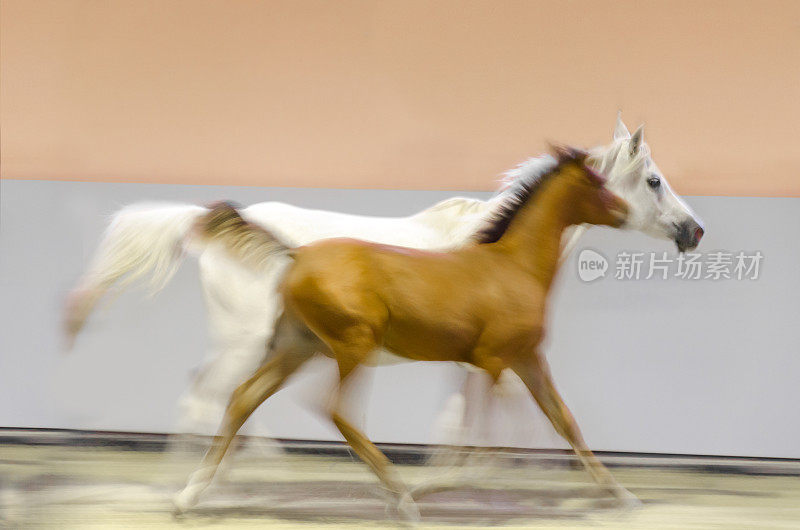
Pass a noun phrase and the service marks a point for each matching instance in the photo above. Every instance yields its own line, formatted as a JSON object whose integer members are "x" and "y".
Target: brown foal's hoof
{"x": 626, "y": 499}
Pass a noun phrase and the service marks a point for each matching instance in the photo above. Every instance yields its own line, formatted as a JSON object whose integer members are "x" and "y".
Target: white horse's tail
{"x": 245, "y": 242}
{"x": 142, "y": 239}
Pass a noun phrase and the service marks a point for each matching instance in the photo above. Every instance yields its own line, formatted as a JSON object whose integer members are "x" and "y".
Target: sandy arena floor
{"x": 106, "y": 487}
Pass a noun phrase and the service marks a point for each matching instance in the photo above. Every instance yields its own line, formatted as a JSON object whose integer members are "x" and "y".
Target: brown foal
{"x": 483, "y": 304}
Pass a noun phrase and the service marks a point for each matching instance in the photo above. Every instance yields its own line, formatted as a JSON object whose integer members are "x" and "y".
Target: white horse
{"x": 146, "y": 239}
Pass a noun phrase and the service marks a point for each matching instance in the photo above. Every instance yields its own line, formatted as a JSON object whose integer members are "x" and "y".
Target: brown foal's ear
{"x": 567, "y": 153}
{"x": 594, "y": 176}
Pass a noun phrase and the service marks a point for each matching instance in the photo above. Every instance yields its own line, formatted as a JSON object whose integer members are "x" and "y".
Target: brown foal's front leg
{"x": 535, "y": 373}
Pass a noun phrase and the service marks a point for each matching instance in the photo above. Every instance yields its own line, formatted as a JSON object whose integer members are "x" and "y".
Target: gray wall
{"x": 696, "y": 367}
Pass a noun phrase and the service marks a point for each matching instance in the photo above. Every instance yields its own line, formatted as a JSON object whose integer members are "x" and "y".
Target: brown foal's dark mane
{"x": 520, "y": 193}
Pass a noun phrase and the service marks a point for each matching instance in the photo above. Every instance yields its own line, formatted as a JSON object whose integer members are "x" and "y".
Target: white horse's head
{"x": 654, "y": 208}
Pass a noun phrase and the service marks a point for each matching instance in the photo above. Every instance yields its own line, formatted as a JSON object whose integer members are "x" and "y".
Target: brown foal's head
{"x": 592, "y": 202}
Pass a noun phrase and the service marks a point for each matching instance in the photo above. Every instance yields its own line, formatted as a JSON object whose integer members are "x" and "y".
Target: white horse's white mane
{"x": 603, "y": 158}
{"x": 524, "y": 173}
{"x": 525, "y": 176}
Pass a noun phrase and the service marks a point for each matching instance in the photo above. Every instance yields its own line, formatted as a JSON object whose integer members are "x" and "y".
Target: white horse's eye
{"x": 654, "y": 182}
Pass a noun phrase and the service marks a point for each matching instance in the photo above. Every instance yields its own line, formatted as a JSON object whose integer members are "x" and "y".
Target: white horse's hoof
{"x": 407, "y": 509}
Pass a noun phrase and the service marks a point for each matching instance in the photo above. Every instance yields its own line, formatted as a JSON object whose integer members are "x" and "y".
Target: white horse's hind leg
{"x": 202, "y": 406}
{"x": 242, "y": 310}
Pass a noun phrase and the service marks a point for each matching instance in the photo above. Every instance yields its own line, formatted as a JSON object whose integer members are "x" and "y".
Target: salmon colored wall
{"x": 395, "y": 94}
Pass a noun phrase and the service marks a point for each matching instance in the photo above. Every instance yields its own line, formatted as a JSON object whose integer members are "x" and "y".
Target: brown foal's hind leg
{"x": 349, "y": 357}
{"x": 535, "y": 373}
{"x": 289, "y": 356}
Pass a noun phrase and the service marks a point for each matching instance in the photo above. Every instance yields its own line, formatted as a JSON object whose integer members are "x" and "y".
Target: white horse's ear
{"x": 636, "y": 140}
{"x": 620, "y": 131}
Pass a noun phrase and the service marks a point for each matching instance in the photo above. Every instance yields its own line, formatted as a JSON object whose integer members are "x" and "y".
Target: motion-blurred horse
{"x": 483, "y": 305}
{"x": 146, "y": 239}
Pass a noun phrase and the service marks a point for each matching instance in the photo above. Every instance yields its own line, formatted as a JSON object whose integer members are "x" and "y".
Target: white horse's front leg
{"x": 472, "y": 417}
{"x": 519, "y": 421}
{"x": 462, "y": 424}
{"x": 459, "y": 423}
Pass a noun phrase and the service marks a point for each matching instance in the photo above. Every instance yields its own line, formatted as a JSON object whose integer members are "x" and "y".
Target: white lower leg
{"x": 197, "y": 483}
{"x": 407, "y": 508}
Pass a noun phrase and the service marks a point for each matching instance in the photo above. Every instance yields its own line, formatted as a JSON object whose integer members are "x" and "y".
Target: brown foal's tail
{"x": 243, "y": 241}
